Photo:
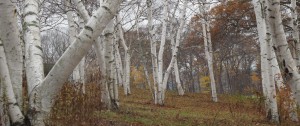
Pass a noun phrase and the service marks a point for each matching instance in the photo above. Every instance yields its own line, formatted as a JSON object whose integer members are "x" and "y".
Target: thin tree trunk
{"x": 160, "y": 54}
{"x": 127, "y": 57}
{"x": 295, "y": 31}
{"x": 208, "y": 49}
{"x": 151, "y": 31}
{"x": 177, "y": 79}
{"x": 174, "y": 55}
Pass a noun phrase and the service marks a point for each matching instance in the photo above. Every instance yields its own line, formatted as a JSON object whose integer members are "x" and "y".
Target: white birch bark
{"x": 4, "y": 117}
{"x": 54, "y": 81}
{"x": 10, "y": 36}
{"x": 208, "y": 49}
{"x": 160, "y": 54}
{"x": 72, "y": 35}
{"x": 143, "y": 58}
{"x": 208, "y": 54}
{"x": 177, "y": 79}
{"x": 105, "y": 97}
{"x": 174, "y": 54}
{"x": 281, "y": 47}
{"x": 153, "y": 44}
{"x": 81, "y": 66}
{"x": 119, "y": 68}
{"x": 114, "y": 75}
{"x": 295, "y": 31}
{"x": 268, "y": 81}
{"x": 33, "y": 49}
{"x": 108, "y": 34}
{"x": 33, "y": 53}
{"x": 127, "y": 57}
{"x": 14, "y": 110}
{"x": 82, "y": 11}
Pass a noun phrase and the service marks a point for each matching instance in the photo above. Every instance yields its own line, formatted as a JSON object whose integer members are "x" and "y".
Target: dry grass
{"x": 137, "y": 109}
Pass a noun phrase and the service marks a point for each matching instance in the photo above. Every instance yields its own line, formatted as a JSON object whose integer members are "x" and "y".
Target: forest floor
{"x": 192, "y": 109}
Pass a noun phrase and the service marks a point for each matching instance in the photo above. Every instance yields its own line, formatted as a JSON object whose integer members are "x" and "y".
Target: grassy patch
{"x": 138, "y": 109}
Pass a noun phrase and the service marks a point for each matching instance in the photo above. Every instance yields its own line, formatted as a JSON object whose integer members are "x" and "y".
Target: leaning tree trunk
{"x": 14, "y": 110}
{"x": 55, "y": 79}
{"x": 72, "y": 36}
{"x": 281, "y": 47}
{"x": 126, "y": 75}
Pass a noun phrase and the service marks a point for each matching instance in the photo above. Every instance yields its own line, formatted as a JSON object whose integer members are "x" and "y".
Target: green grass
{"x": 188, "y": 110}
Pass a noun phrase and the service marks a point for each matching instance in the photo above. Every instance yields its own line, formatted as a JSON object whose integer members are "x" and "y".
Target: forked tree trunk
{"x": 208, "y": 48}
{"x": 153, "y": 44}
{"x": 160, "y": 60}
{"x": 281, "y": 47}
{"x": 268, "y": 82}
{"x": 127, "y": 57}
{"x": 10, "y": 36}
{"x": 14, "y": 110}
{"x": 175, "y": 46}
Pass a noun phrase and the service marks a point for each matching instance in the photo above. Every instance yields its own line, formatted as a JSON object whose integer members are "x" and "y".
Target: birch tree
{"x": 126, "y": 74}
{"x": 7, "y": 92}
{"x": 10, "y": 37}
{"x": 43, "y": 91}
{"x": 268, "y": 83}
{"x": 173, "y": 63}
{"x": 295, "y": 32}
{"x": 281, "y": 48}
{"x": 153, "y": 45}
{"x": 208, "y": 49}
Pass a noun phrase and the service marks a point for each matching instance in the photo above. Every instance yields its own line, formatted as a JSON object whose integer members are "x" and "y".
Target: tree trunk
{"x": 151, "y": 31}
{"x": 54, "y": 81}
{"x": 208, "y": 49}
{"x": 281, "y": 47}
{"x": 14, "y": 110}
{"x": 10, "y": 36}
{"x": 126, "y": 75}
{"x": 108, "y": 34}
{"x": 105, "y": 97}
{"x": 295, "y": 31}
{"x": 160, "y": 75}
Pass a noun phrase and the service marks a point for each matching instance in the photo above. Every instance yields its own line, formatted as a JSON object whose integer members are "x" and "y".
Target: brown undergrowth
{"x": 73, "y": 108}
{"x": 192, "y": 109}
